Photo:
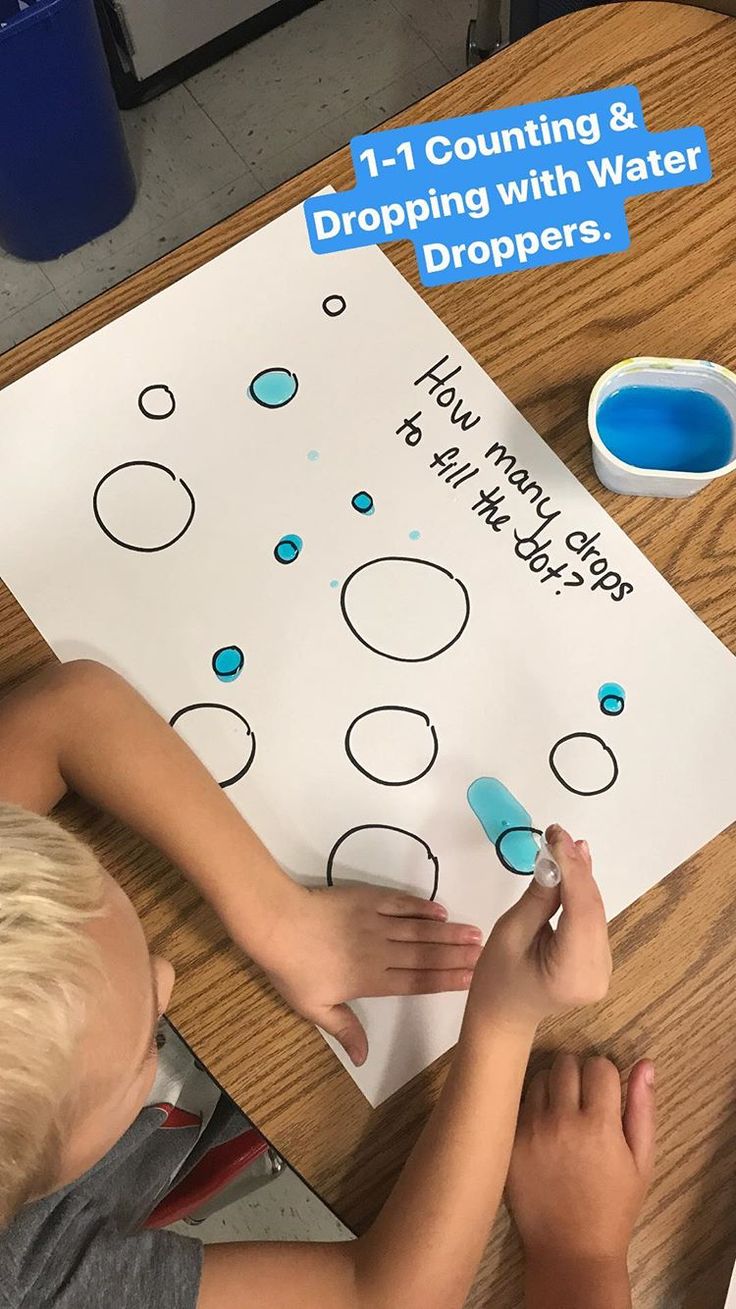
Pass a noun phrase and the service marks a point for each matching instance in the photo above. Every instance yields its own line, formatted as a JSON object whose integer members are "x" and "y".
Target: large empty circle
{"x": 220, "y": 736}
{"x": 392, "y": 744}
{"x": 143, "y": 506}
{"x": 404, "y": 608}
{"x": 384, "y": 856}
{"x": 583, "y": 763}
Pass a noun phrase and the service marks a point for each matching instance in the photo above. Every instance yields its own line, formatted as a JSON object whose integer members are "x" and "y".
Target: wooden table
{"x": 544, "y": 336}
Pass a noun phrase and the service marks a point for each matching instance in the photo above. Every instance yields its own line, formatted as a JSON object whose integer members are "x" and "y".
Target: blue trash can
{"x": 65, "y": 173}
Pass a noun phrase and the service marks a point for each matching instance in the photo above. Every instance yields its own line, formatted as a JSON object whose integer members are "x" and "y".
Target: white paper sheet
{"x": 528, "y": 661}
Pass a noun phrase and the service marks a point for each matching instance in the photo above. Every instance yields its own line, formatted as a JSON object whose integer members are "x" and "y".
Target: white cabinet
{"x": 158, "y": 32}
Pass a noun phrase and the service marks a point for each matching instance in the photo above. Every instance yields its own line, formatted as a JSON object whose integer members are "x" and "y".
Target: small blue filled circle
{"x": 288, "y": 548}
{"x": 611, "y": 698}
{"x": 414, "y": 536}
{"x": 274, "y": 387}
{"x": 228, "y": 663}
{"x": 313, "y": 455}
{"x": 363, "y": 502}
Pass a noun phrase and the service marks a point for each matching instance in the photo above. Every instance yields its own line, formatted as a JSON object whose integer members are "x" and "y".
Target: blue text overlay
{"x": 510, "y": 188}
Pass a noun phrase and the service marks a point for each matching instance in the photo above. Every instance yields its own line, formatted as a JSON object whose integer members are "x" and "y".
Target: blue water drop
{"x": 611, "y": 698}
{"x": 288, "y": 548}
{"x": 228, "y": 663}
{"x": 518, "y": 849}
{"x": 313, "y": 455}
{"x": 334, "y": 583}
{"x": 414, "y": 536}
{"x": 274, "y": 387}
{"x": 497, "y": 811}
{"x": 363, "y": 502}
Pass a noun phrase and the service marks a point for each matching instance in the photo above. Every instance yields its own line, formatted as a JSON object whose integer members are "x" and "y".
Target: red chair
{"x": 226, "y": 1173}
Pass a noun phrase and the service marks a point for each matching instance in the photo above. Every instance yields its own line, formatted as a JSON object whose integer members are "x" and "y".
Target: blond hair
{"x": 50, "y": 884}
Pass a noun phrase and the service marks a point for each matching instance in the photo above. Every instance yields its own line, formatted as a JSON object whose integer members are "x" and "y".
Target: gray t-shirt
{"x": 84, "y": 1248}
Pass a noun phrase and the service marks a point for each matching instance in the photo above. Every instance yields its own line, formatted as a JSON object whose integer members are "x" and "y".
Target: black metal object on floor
{"x": 484, "y": 32}
{"x": 119, "y": 42}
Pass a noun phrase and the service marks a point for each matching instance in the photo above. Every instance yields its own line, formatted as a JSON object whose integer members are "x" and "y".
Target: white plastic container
{"x": 693, "y": 374}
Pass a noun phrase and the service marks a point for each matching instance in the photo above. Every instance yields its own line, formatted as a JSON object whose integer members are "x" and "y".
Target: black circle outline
{"x": 362, "y": 511}
{"x": 405, "y": 709}
{"x": 336, "y": 313}
{"x": 384, "y": 827}
{"x": 291, "y": 541}
{"x": 536, "y": 831}
{"x": 592, "y": 736}
{"x": 157, "y": 386}
{"x": 405, "y": 559}
{"x": 612, "y": 713}
{"x": 142, "y": 549}
{"x": 220, "y": 651}
{"x": 275, "y": 368}
{"x": 213, "y": 704}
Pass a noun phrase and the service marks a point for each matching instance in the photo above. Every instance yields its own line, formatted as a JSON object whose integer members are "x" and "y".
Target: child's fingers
{"x": 430, "y": 957}
{"x": 428, "y": 930}
{"x": 536, "y": 1098}
{"x": 397, "y": 905}
{"x": 601, "y": 1089}
{"x": 565, "y": 1083}
{"x": 579, "y": 890}
{"x": 535, "y": 908}
{"x": 583, "y": 909}
{"x": 640, "y": 1116}
{"x": 405, "y": 981}
{"x": 340, "y": 1022}
{"x": 540, "y": 903}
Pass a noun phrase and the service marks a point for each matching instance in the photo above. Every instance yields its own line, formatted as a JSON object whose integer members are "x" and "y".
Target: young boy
{"x": 86, "y": 1147}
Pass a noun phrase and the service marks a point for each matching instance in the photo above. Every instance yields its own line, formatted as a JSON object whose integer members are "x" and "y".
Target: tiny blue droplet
{"x": 274, "y": 387}
{"x": 228, "y": 663}
{"x": 414, "y": 536}
{"x": 288, "y": 548}
{"x": 313, "y": 455}
{"x": 363, "y": 502}
{"x": 334, "y": 583}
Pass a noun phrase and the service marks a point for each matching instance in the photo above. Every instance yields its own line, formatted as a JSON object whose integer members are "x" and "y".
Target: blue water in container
{"x": 679, "y": 429}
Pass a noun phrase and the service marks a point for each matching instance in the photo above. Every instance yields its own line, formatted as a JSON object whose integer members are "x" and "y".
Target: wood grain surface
{"x": 544, "y": 336}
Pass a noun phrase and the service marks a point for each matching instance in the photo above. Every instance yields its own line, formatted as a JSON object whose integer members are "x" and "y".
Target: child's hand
{"x": 347, "y": 942}
{"x": 529, "y": 970}
{"x": 579, "y": 1173}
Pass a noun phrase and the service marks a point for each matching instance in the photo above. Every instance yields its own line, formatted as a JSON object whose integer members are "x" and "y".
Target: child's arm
{"x": 425, "y": 1247}
{"x": 578, "y": 1177}
{"x": 82, "y": 727}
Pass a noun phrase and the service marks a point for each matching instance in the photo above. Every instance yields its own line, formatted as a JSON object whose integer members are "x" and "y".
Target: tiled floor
{"x": 239, "y": 128}
{"x": 283, "y": 1210}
